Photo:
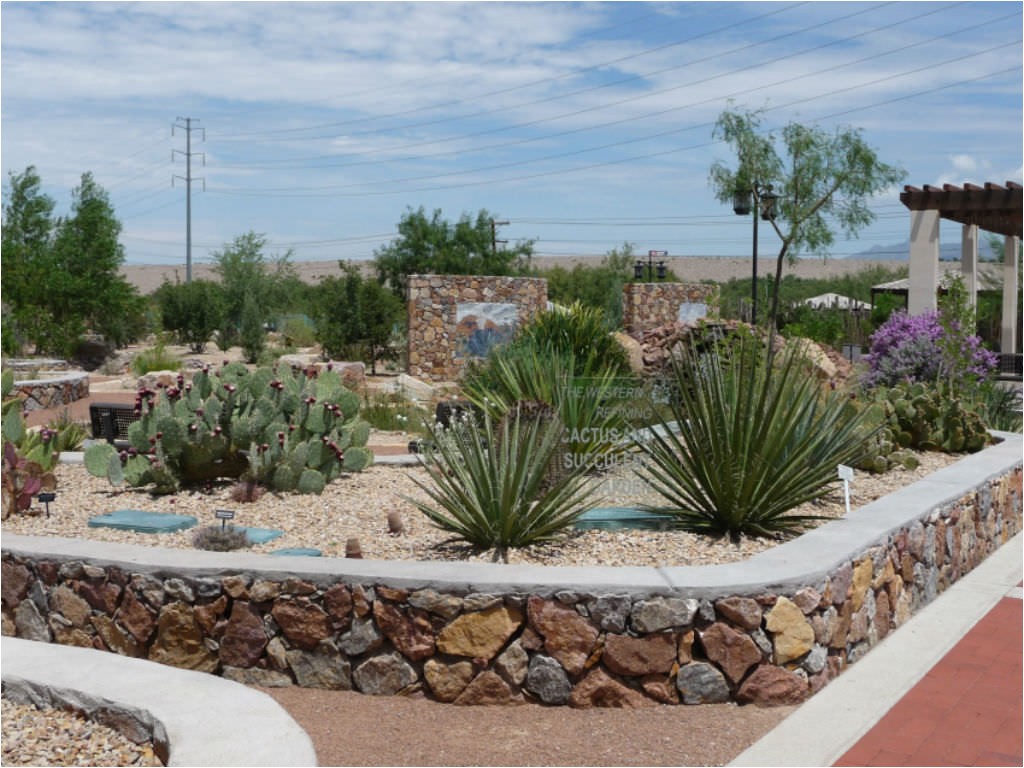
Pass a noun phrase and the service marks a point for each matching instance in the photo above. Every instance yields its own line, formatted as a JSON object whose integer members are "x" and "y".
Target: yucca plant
{"x": 753, "y": 439}
{"x": 490, "y": 484}
{"x": 589, "y": 406}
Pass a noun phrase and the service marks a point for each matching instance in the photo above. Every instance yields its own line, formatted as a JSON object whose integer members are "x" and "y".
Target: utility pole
{"x": 186, "y": 124}
{"x": 494, "y": 235}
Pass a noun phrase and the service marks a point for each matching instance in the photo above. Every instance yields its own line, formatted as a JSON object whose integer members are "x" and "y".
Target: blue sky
{"x": 584, "y": 125}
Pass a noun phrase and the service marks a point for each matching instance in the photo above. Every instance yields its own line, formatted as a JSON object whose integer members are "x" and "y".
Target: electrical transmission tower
{"x": 186, "y": 124}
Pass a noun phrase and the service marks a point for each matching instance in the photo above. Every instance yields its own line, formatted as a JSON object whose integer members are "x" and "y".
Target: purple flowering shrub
{"x": 920, "y": 348}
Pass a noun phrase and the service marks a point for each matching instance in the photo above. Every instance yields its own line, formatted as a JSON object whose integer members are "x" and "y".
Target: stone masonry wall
{"x": 650, "y": 305}
{"x": 56, "y": 392}
{"x": 575, "y": 648}
{"x": 432, "y": 303}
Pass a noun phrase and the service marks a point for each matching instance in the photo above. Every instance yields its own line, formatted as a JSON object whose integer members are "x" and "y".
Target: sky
{"x": 584, "y": 126}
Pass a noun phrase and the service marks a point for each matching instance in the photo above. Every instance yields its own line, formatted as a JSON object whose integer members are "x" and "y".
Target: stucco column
{"x": 969, "y": 262}
{"x": 924, "y": 261}
{"x": 1008, "y": 329}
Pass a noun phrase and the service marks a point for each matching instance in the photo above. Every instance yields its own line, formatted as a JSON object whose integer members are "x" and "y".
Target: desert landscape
{"x": 148, "y": 277}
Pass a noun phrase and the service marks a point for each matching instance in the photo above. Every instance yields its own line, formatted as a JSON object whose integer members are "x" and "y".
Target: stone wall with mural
{"x": 456, "y": 318}
{"x": 650, "y": 305}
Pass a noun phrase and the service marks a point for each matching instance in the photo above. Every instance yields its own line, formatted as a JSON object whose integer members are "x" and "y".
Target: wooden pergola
{"x": 994, "y": 208}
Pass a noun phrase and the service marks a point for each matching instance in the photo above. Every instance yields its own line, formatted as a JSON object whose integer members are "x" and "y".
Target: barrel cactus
{"x": 288, "y": 430}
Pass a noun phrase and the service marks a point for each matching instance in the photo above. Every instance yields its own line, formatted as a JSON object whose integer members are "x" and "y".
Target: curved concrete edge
{"x": 848, "y": 707}
{"x": 204, "y": 720}
{"x": 788, "y": 567}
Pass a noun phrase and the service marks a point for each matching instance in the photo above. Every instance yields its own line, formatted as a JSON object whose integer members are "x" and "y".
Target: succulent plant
{"x": 22, "y": 479}
{"x": 216, "y": 538}
{"x": 929, "y": 417}
{"x": 284, "y": 429}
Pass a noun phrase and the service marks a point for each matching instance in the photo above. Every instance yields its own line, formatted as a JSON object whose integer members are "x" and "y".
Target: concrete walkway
{"x": 943, "y": 689}
{"x": 197, "y": 718}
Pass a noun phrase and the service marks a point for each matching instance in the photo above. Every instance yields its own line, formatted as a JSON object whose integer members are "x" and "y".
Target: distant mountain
{"x": 901, "y": 252}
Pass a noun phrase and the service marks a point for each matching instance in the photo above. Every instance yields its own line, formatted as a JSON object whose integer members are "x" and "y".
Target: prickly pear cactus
{"x": 929, "y": 417}
{"x": 288, "y": 430}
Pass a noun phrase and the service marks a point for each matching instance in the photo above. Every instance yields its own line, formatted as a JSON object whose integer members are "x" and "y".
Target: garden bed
{"x": 357, "y": 506}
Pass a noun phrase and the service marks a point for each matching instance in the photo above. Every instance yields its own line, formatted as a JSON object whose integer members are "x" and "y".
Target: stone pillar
{"x": 969, "y": 262}
{"x": 1008, "y": 330}
{"x": 924, "y": 261}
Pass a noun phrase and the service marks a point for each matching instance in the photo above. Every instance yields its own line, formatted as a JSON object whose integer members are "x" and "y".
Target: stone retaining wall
{"x": 52, "y": 392}
{"x": 771, "y": 630}
{"x": 650, "y": 305}
{"x": 433, "y": 302}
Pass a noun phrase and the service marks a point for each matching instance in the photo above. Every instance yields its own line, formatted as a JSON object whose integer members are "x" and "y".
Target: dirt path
{"x": 354, "y": 729}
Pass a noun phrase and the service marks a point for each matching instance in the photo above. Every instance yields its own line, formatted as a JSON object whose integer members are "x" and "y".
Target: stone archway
{"x": 993, "y": 208}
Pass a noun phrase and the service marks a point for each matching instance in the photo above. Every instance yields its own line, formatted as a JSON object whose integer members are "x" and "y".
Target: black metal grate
{"x": 110, "y": 420}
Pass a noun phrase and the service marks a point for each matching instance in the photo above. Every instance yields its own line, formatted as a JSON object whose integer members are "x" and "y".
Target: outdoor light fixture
{"x": 742, "y": 205}
{"x": 649, "y": 265}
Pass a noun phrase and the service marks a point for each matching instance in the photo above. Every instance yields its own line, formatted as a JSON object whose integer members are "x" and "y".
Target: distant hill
{"x": 901, "y": 252}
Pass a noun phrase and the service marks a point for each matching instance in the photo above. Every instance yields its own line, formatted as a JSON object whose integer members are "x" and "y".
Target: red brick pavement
{"x": 966, "y": 711}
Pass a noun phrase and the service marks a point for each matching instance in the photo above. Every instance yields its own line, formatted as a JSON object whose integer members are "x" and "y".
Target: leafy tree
{"x": 245, "y": 272}
{"x": 65, "y": 273}
{"x": 192, "y": 310}
{"x": 435, "y": 246}
{"x": 823, "y": 178}
{"x": 27, "y": 237}
{"x": 251, "y": 333}
{"x": 355, "y": 316}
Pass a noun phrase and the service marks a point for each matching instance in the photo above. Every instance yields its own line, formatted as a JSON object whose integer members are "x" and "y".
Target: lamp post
{"x": 652, "y": 269}
{"x": 743, "y": 202}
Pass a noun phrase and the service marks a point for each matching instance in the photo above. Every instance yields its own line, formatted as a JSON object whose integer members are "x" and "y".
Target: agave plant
{"x": 490, "y": 485}
{"x": 752, "y": 440}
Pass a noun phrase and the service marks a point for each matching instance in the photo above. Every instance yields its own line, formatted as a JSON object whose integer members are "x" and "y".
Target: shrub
{"x": 394, "y": 413}
{"x": 749, "y": 442}
{"x": 578, "y": 330}
{"x": 931, "y": 346}
{"x": 192, "y": 310}
{"x": 216, "y": 538}
{"x": 489, "y": 484}
{"x": 157, "y": 358}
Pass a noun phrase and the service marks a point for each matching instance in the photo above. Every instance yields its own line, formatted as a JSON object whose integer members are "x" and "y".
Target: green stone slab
{"x": 143, "y": 522}
{"x": 620, "y": 518}
{"x": 261, "y": 535}
{"x": 298, "y": 552}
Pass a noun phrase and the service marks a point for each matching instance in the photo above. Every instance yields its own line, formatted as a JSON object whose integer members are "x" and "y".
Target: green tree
{"x": 355, "y": 316}
{"x": 27, "y": 239}
{"x": 435, "y": 246}
{"x": 65, "y": 273}
{"x": 245, "y": 271}
{"x": 822, "y": 179}
{"x": 192, "y": 310}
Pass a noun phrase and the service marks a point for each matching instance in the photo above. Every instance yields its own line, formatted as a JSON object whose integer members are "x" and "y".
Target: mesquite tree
{"x": 823, "y": 180}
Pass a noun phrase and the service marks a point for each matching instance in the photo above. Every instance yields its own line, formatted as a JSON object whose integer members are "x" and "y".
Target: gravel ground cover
{"x": 34, "y": 736}
{"x": 357, "y": 506}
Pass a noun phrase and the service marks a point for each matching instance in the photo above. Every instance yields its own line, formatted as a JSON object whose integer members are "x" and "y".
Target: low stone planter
{"x": 770, "y": 630}
{"x": 52, "y": 389}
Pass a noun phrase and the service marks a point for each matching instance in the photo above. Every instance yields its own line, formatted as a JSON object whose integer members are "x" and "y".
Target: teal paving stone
{"x": 620, "y": 518}
{"x": 298, "y": 552}
{"x": 261, "y": 535}
{"x": 143, "y": 522}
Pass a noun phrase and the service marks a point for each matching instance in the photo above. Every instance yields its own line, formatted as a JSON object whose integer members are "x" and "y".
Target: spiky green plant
{"x": 489, "y": 485}
{"x": 752, "y": 439}
{"x": 589, "y": 406}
